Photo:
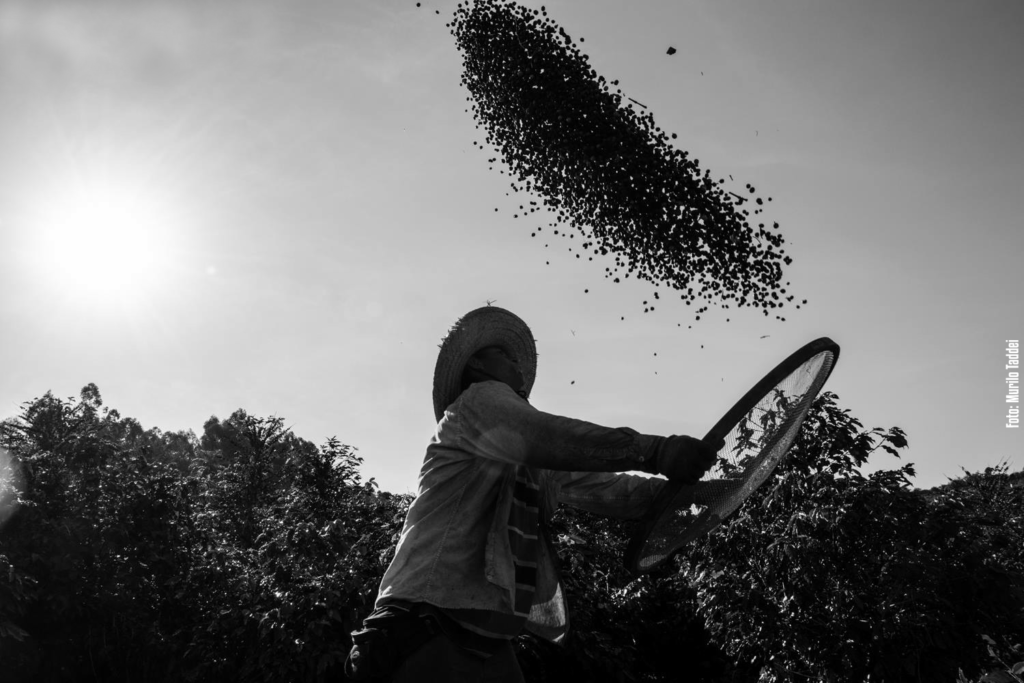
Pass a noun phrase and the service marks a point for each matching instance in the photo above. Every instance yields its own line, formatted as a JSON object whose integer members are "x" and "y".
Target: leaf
{"x": 15, "y": 631}
{"x": 999, "y": 677}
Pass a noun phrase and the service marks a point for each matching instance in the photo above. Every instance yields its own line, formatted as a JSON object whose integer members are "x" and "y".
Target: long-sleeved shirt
{"x": 454, "y": 551}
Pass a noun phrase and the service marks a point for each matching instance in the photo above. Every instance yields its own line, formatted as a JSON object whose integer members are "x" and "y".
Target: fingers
{"x": 704, "y": 455}
{"x": 715, "y": 441}
{"x": 684, "y": 478}
{"x": 687, "y": 459}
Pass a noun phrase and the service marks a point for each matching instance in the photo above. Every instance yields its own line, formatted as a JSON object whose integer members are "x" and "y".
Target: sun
{"x": 103, "y": 240}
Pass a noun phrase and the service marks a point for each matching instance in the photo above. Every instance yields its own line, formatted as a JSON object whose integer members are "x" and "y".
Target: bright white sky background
{"x": 306, "y": 214}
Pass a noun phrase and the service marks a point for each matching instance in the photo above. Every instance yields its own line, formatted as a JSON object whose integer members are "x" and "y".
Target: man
{"x": 474, "y": 564}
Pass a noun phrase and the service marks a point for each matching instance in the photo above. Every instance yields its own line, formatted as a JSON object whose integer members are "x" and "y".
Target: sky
{"x": 278, "y": 206}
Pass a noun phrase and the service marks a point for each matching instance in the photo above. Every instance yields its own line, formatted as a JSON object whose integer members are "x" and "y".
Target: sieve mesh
{"x": 756, "y": 441}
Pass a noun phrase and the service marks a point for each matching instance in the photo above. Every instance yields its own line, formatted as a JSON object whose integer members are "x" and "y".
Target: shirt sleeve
{"x": 625, "y": 496}
{"x": 492, "y": 421}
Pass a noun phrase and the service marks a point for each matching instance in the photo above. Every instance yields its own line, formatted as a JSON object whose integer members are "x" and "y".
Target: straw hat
{"x": 487, "y": 326}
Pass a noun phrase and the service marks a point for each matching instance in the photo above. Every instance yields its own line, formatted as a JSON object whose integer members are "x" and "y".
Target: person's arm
{"x": 492, "y": 421}
{"x": 625, "y": 496}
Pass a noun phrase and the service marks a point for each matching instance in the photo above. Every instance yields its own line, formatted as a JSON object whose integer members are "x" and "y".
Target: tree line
{"x": 250, "y": 554}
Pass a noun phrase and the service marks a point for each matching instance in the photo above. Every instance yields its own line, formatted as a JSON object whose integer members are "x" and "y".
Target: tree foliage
{"x": 824, "y": 574}
{"x": 245, "y": 554}
{"x": 249, "y": 554}
{"x": 830, "y": 575}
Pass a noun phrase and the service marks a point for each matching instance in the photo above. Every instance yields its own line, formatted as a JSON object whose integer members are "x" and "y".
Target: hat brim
{"x": 478, "y": 329}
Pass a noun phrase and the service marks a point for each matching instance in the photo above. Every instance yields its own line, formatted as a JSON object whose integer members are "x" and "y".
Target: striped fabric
{"x": 523, "y": 526}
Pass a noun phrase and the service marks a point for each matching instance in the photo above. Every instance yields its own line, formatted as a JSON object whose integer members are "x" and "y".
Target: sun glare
{"x": 10, "y": 485}
{"x": 103, "y": 241}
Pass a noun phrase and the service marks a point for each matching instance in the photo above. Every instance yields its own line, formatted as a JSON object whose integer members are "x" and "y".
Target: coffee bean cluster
{"x": 606, "y": 172}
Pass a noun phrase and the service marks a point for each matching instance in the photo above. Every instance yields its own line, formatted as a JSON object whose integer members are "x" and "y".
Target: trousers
{"x": 439, "y": 660}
